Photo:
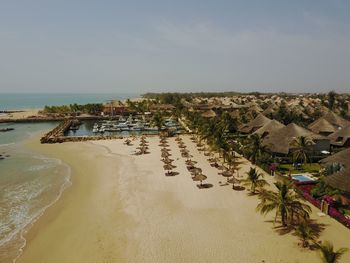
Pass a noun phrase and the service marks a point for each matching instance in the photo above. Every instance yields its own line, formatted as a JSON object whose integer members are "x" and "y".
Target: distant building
{"x": 162, "y": 107}
{"x": 115, "y": 108}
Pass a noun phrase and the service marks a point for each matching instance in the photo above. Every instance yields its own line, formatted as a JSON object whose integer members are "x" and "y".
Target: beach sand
{"x": 21, "y": 114}
{"x": 121, "y": 208}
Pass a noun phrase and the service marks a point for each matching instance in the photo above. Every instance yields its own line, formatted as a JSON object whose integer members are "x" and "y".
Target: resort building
{"x": 322, "y": 126}
{"x": 269, "y": 128}
{"x": 341, "y": 138}
{"x": 340, "y": 179}
{"x": 254, "y": 124}
{"x": 115, "y": 107}
{"x": 337, "y": 121}
{"x": 280, "y": 140}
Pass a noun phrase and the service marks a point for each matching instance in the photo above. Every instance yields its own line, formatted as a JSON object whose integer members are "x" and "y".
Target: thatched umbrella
{"x": 165, "y": 154}
{"x": 178, "y": 139}
{"x": 143, "y": 144}
{"x": 233, "y": 181}
{"x": 227, "y": 174}
{"x": 165, "y": 149}
{"x": 190, "y": 162}
{"x": 221, "y": 167}
{"x": 167, "y": 160}
{"x": 127, "y": 141}
{"x": 199, "y": 177}
{"x": 185, "y": 155}
{"x": 144, "y": 150}
{"x": 213, "y": 160}
{"x": 163, "y": 145}
{"x": 184, "y": 151}
{"x": 168, "y": 167}
{"x": 195, "y": 170}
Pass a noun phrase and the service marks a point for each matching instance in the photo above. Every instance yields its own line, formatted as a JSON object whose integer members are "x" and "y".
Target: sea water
{"x": 29, "y": 183}
{"x": 39, "y": 100}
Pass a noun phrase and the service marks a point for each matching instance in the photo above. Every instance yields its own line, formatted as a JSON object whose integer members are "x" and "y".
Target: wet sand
{"x": 122, "y": 208}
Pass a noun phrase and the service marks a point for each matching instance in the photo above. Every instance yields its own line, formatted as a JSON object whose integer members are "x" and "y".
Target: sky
{"x": 104, "y": 46}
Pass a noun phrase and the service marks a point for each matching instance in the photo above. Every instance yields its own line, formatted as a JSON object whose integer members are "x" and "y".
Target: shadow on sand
{"x": 204, "y": 186}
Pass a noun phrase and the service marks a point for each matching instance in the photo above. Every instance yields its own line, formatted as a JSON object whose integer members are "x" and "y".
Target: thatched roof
{"x": 255, "y": 107}
{"x": 321, "y": 125}
{"x": 209, "y": 114}
{"x": 279, "y": 141}
{"x": 340, "y": 137}
{"x": 255, "y": 124}
{"x": 341, "y": 179}
{"x": 270, "y": 127}
{"x": 336, "y": 120}
{"x": 270, "y": 109}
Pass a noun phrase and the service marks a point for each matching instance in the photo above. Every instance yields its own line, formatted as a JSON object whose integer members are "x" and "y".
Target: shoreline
{"x": 29, "y": 226}
{"x": 50, "y": 215}
{"x": 122, "y": 208}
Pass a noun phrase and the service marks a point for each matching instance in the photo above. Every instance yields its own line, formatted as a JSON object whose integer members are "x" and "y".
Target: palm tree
{"x": 256, "y": 148}
{"x": 254, "y": 180}
{"x": 305, "y": 233}
{"x": 158, "y": 120}
{"x": 301, "y": 149}
{"x": 286, "y": 203}
{"x": 328, "y": 254}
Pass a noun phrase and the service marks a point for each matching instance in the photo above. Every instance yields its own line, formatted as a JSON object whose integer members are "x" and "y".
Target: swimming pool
{"x": 302, "y": 178}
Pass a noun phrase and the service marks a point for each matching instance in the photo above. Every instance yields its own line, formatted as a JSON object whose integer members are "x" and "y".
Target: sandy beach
{"x": 121, "y": 208}
{"x": 20, "y": 114}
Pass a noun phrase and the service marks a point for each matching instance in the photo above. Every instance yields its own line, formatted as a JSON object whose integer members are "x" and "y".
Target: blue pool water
{"x": 302, "y": 178}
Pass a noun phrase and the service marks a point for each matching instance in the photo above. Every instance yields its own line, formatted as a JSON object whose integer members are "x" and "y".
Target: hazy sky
{"x": 179, "y": 45}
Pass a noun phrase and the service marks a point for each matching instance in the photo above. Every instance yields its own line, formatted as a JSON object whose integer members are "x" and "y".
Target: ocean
{"x": 30, "y": 182}
{"x": 39, "y": 100}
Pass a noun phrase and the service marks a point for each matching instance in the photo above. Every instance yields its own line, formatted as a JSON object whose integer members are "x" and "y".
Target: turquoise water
{"x": 29, "y": 183}
{"x": 302, "y": 178}
{"x": 32, "y": 101}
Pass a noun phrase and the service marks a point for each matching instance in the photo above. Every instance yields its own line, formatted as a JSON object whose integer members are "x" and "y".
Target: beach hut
{"x": 337, "y": 121}
{"x": 341, "y": 178}
{"x": 268, "y": 128}
{"x": 254, "y": 124}
{"x": 341, "y": 138}
{"x": 322, "y": 126}
{"x": 280, "y": 140}
{"x": 209, "y": 114}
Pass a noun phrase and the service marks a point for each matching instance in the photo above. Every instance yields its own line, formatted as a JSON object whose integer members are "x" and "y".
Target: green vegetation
{"x": 90, "y": 108}
{"x": 286, "y": 204}
{"x": 322, "y": 189}
{"x": 254, "y": 180}
{"x": 305, "y": 233}
{"x": 305, "y": 168}
{"x": 255, "y": 148}
{"x": 158, "y": 120}
{"x": 301, "y": 149}
{"x": 328, "y": 255}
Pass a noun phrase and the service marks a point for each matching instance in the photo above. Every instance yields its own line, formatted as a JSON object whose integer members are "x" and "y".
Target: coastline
{"x": 75, "y": 200}
{"x": 121, "y": 208}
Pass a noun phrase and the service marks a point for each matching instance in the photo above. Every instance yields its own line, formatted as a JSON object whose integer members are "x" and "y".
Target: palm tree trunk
{"x": 283, "y": 217}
